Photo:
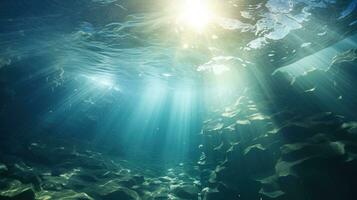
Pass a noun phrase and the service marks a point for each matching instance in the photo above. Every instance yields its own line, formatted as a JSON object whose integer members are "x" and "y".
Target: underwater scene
{"x": 178, "y": 99}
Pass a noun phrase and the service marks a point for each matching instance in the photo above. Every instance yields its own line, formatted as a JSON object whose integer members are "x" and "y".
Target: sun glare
{"x": 195, "y": 14}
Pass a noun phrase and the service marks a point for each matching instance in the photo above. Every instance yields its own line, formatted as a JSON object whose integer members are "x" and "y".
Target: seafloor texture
{"x": 50, "y": 169}
{"x": 133, "y": 100}
{"x": 295, "y": 149}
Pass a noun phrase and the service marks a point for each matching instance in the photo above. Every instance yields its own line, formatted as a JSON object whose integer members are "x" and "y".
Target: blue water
{"x": 123, "y": 71}
{"x": 134, "y": 81}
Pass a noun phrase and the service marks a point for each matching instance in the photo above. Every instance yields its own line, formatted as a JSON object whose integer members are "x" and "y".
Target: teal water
{"x": 166, "y": 99}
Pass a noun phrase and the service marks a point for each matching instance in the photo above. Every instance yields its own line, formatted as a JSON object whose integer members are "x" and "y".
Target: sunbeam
{"x": 178, "y": 99}
{"x": 196, "y": 14}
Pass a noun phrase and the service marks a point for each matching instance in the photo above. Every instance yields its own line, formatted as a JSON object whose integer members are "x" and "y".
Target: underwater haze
{"x": 178, "y": 99}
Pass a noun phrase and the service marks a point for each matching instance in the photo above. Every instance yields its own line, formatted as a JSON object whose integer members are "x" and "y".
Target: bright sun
{"x": 195, "y": 14}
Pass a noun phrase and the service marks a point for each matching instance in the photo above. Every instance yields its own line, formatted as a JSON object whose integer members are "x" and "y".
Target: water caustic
{"x": 168, "y": 99}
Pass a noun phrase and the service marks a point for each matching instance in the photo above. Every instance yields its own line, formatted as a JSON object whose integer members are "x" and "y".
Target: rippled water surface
{"x": 164, "y": 81}
{"x": 157, "y": 64}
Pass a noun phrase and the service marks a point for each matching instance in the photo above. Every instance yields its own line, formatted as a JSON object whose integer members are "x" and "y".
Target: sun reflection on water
{"x": 195, "y": 14}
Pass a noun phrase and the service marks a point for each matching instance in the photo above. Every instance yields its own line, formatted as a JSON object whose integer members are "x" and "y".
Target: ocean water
{"x": 178, "y": 99}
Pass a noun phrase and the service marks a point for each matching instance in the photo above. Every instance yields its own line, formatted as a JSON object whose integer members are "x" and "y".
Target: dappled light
{"x": 178, "y": 99}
